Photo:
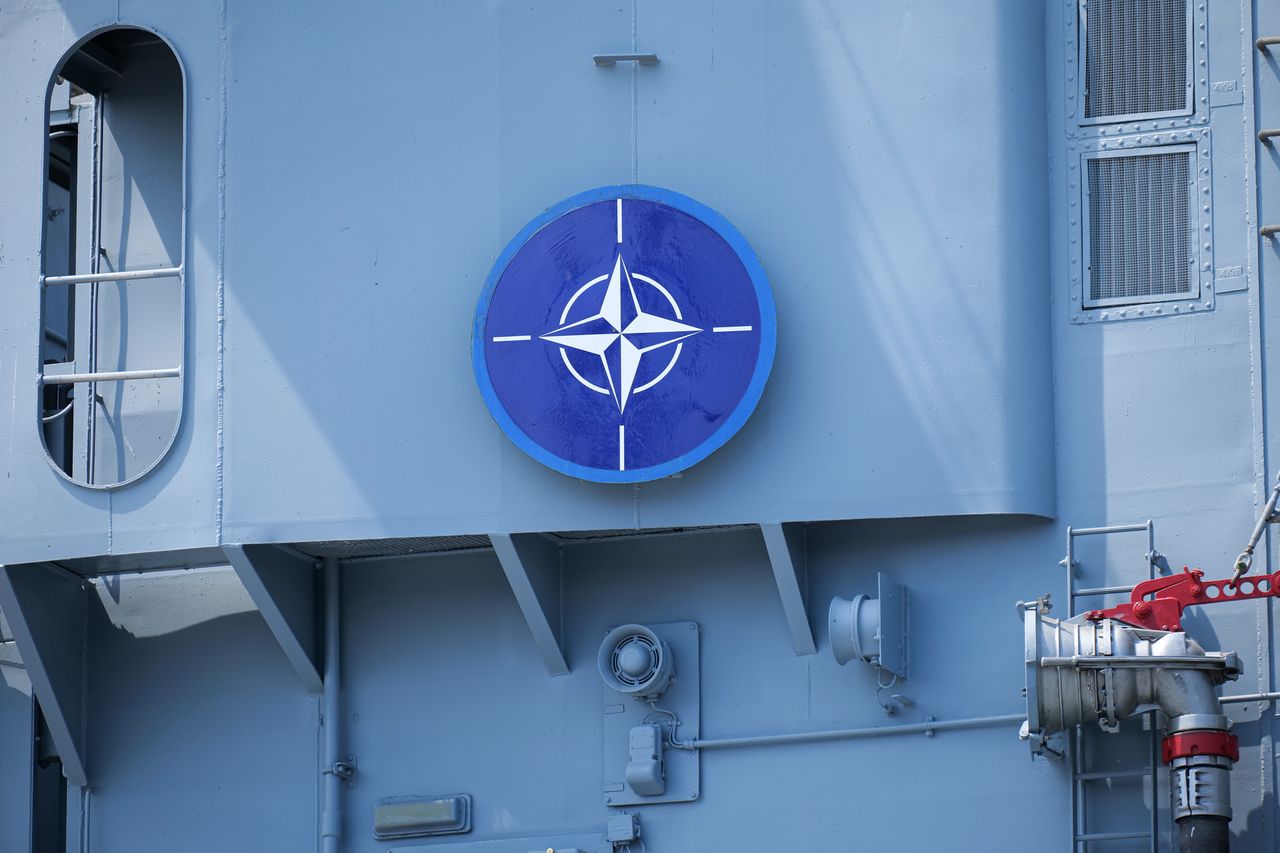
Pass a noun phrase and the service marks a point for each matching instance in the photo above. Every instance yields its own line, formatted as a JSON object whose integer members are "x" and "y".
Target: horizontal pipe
{"x": 1266, "y": 41}
{"x": 1268, "y": 230}
{"x": 851, "y": 734}
{"x": 113, "y": 376}
{"x": 1265, "y": 135}
{"x": 1103, "y": 590}
{"x": 1250, "y": 697}
{"x": 127, "y": 275}
{"x": 1105, "y": 775}
{"x": 1134, "y": 662}
{"x": 1102, "y": 531}
{"x": 1113, "y": 836}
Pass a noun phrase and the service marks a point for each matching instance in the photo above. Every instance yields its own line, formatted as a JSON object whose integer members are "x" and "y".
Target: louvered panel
{"x": 1140, "y": 228}
{"x": 1135, "y": 58}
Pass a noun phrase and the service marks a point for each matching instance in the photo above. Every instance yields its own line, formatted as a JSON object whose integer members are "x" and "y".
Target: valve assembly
{"x": 1106, "y": 665}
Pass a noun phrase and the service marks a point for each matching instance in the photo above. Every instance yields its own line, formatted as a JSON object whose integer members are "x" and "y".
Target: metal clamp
{"x": 608, "y": 60}
{"x": 344, "y": 770}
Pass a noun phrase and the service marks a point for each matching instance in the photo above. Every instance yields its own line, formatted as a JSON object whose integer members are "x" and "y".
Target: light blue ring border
{"x": 741, "y": 412}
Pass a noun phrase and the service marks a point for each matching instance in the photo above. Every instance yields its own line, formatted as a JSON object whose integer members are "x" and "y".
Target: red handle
{"x": 1171, "y": 595}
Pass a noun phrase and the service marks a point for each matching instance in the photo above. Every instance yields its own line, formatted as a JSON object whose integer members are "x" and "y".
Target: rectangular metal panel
{"x": 683, "y": 699}
{"x": 894, "y": 626}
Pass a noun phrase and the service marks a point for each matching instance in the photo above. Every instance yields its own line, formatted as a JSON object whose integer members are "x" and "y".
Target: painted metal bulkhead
{"x": 329, "y": 393}
{"x": 938, "y": 412}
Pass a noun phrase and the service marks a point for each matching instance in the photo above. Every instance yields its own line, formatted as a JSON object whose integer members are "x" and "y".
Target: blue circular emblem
{"x": 624, "y": 334}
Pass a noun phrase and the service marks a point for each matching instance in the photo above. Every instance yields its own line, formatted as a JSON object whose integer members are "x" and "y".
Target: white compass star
{"x": 620, "y": 333}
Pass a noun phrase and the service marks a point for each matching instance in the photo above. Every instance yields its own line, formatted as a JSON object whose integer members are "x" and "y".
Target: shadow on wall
{"x": 969, "y": 148}
{"x": 189, "y": 694}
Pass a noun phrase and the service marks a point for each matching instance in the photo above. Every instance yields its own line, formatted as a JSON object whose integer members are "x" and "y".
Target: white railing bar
{"x": 113, "y": 376}
{"x": 1102, "y": 590}
{"x": 127, "y": 275}
{"x": 1102, "y": 531}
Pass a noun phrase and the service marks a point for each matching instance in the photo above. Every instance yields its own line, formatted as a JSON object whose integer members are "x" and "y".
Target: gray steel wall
{"x": 903, "y": 172}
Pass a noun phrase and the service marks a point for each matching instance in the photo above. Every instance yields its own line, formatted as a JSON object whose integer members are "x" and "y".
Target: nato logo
{"x": 624, "y": 334}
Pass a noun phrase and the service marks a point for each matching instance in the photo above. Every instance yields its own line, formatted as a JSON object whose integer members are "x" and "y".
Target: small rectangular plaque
{"x": 411, "y": 817}
{"x": 1223, "y": 93}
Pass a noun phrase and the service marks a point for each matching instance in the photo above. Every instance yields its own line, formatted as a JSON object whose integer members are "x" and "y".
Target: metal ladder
{"x": 1080, "y": 778}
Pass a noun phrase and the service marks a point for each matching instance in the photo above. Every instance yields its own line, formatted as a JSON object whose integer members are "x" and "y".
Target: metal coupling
{"x": 1201, "y": 786}
{"x": 1200, "y": 761}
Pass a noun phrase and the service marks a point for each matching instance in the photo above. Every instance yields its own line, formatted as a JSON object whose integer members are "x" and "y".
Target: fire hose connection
{"x": 1107, "y": 665}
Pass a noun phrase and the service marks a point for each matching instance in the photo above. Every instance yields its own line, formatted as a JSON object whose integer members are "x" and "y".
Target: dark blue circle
{"x": 669, "y": 242}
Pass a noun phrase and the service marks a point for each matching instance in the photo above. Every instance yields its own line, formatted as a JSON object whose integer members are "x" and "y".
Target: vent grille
{"x": 1139, "y": 227}
{"x": 1135, "y": 57}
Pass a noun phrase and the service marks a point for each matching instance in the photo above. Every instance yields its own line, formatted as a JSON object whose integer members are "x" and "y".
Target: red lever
{"x": 1171, "y": 595}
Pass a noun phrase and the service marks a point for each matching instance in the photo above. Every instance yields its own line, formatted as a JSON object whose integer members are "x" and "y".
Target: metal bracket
{"x": 284, "y": 587}
{"x": 344, "y": 770}
{"x": 608, "y": 60}
{"x": 788, "y": 556}
{"x": 531, "y": 563}
{"x": 47, "y": 610}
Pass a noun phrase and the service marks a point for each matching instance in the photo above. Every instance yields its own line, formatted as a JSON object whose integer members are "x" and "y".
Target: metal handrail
{"x": 112, "y": 376}
{"x": 1103, "y": 590}
{"x": 1266, "y": 41}
{"x": 127, "y": 275}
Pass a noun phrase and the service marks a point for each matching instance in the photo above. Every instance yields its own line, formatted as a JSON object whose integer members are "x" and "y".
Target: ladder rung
{"x": 127, "y": 275}
{"x": 1112, "y": 774}
{"x": 1113, "y": 836}
{"x": 1103, "y": 531}
{"x": 1103, "y": 590}
{"x": 114, "y": 376}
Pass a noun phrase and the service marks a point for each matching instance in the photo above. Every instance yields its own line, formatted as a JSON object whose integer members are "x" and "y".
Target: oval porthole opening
{"x": 112, "y": 302}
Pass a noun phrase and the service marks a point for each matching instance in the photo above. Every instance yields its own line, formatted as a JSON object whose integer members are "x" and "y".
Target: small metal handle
{"x": 608, "y": 60}
{"x": 1269, "y": 230}
{"x": 1265, "y": 135}
{"x": 1266, "y": 41}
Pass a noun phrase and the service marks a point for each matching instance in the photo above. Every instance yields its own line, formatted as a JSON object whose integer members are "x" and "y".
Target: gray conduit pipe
{"x": 927, "y": 728}
{"x": 331, "y": 819}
